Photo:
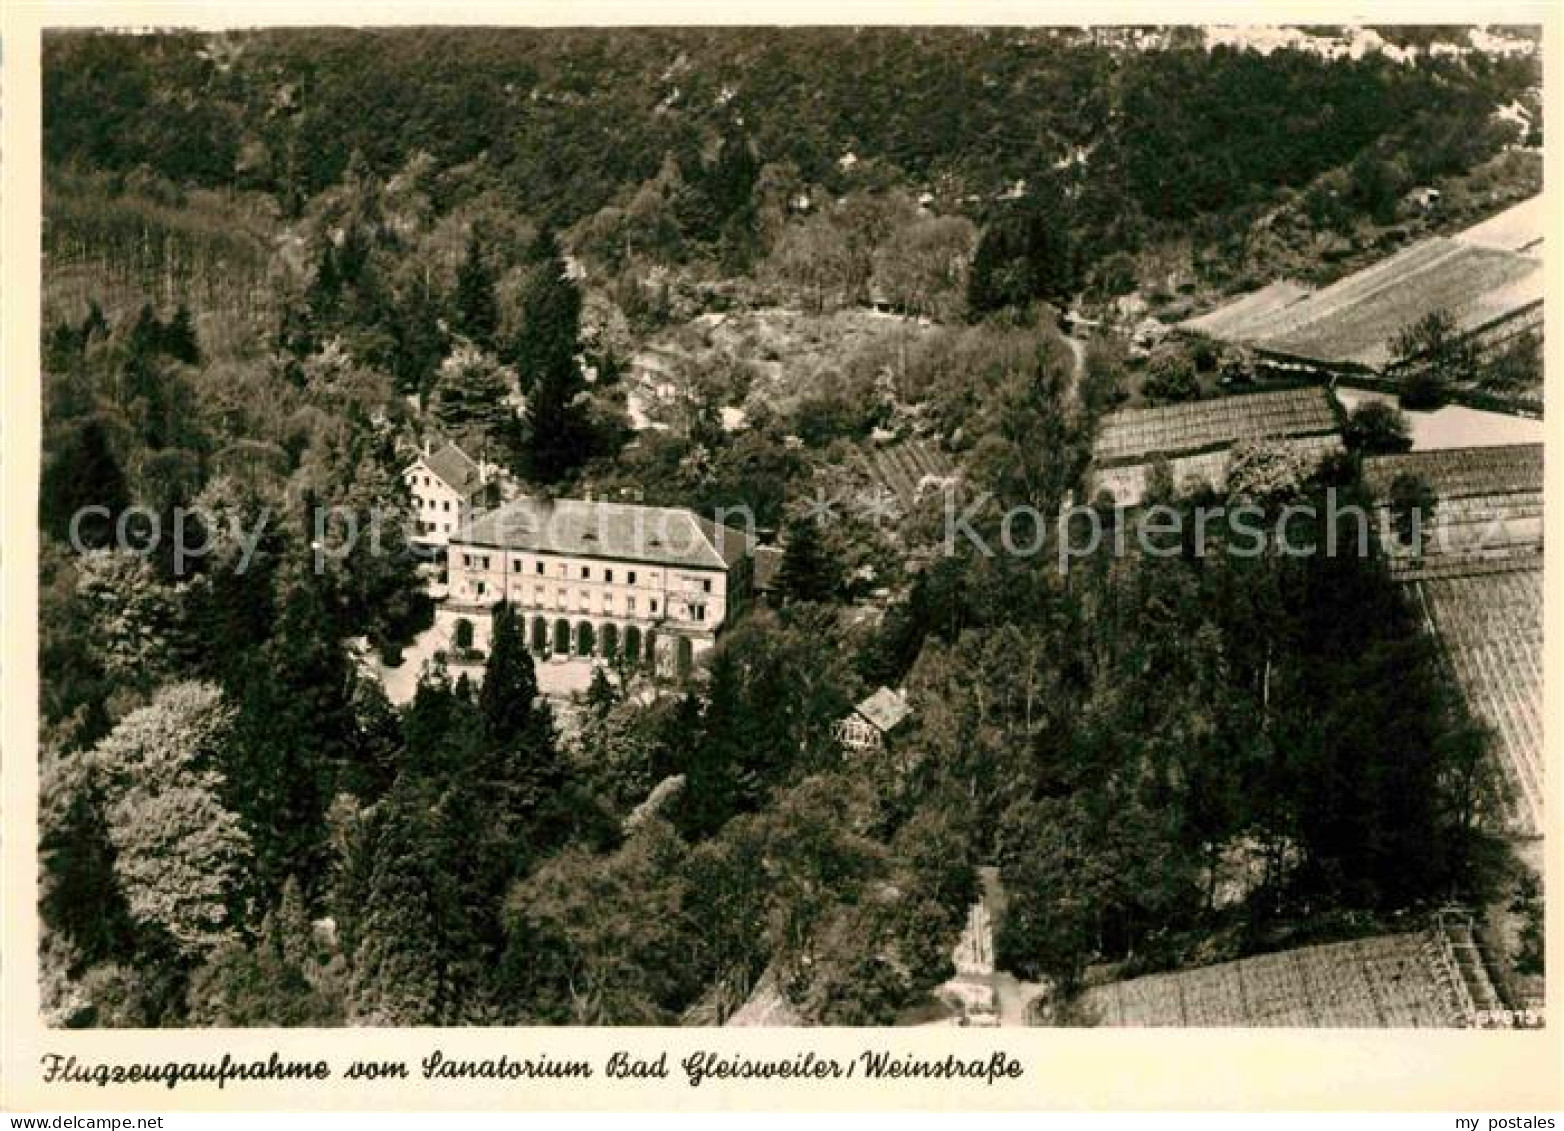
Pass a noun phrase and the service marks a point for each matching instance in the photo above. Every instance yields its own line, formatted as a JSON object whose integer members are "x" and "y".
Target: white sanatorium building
{"x": 602, "y": 579}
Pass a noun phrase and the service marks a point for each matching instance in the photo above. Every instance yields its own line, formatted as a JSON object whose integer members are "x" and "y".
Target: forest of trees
{"x": 666, "y": 134}
{"x": 461, "y": 234}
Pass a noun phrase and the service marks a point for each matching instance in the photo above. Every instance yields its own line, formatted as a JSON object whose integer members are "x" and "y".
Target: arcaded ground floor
{"x": 565, "y": 651}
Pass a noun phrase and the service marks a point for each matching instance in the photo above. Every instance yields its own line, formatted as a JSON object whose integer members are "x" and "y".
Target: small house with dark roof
{"x": 448, "y": 488}
{"x": 591, "y": 578}
{"x": 871, "y": 724}
{"x": 767, "y": 566}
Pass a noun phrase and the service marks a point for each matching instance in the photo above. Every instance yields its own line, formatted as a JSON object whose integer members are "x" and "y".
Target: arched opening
{"x": 586, "y": 638}
{"x": 610, "y": 638}
{"x": 633, "y": 644}
{"x": 651, "y": 651}
{"x": 539, "y": 635}
{"x": 684, "y": 657}
{"x": 562, "y": 636}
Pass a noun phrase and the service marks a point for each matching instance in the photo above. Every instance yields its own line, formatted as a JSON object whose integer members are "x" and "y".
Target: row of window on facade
{"x": 481, "y": 561}
{"x": 697, "y": 612}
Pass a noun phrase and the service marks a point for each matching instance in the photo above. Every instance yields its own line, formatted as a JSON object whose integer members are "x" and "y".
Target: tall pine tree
{"x": 477, "y": 312}
{"x": 558, "y": 434}
{"x": 807, "y": 572}
{"x": 524, "y": 770}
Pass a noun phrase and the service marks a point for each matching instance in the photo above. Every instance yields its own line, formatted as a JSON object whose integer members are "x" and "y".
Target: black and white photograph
{"x": 950, "y": 527}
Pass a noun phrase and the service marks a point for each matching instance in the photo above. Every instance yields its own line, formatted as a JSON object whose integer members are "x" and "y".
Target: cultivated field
{"x": 1488, "y": 506}
{"x": 1490, "y": 626}
{"x": 903, "y": 469}
{"x": 1140, "y": 434}
{"x": 1479, "y": 276}
{"x": 1515, "y": 229}
{"x": 1392, "y": 981}
{"x": 1463, "y": 472}
{"x": 1232, "y": 321}
{"x": 1356, "y": 320}
{"x": 1127, "y": 483}
{"x": 1478, "y": 580}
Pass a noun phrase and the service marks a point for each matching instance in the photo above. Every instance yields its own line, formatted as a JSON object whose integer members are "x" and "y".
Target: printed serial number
{"x": 1509, "y": 1018}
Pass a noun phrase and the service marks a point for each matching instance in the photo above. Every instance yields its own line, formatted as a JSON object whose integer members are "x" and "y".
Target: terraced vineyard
{"x": 1476, "y": 572}
{"x": 1140, "y": 434}
{"x": 1127, "y": 484}
{"x": 1490, "y": 626}
{"x": 905, "y": 468}
{"x": 1231, "y": 322}
{"x": 1354, "y": 321}
{"x": 1487, "y": 510}
{"x": 1453, "y": 472}
{"x": 1392, "y": 981}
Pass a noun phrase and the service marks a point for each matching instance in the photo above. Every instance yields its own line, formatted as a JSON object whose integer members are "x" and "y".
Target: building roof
{"x": 1137, "y": 435}
{"x": 454, "y": 467}
{"x": 622, "y": 531}
{"x": 768, "y": 560}
{"x": 1354, "y": 321}
{"x": 885, "y": 710}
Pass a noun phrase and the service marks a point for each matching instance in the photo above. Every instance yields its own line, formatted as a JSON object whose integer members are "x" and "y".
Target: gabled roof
{"x": 768, "y": 560}
{"x": 885, "y": 710}
{"x": 454, "y": 467}
{"x": 731, "y": 545}
{"x": 587, "y": 528}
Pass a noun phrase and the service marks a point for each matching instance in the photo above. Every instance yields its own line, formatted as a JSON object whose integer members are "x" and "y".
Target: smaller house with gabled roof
{"x": 448, "y": 487}
{"x": 871, "y": 724}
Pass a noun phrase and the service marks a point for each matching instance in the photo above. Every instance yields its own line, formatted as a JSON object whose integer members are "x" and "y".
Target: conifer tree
{"x": 420, "y": 340}
{"x": 418, "y": 953}
{"x": 558, "y": 433}
{"x": 523, "y": 764}
{"x": 179, "y": 339}
{"x": 80, "y": 470}
{"x": 477, "y": 312}
{"x": 507, "y": 700}
{"x": 600, "y": 694}
{"x": 717, "y": 785}
{"x": 807, "y": 573}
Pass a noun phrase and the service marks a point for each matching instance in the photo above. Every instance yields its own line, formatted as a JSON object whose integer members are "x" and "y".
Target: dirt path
{"x": 986, "y": 996}
{"x": 1078, "y": 351}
